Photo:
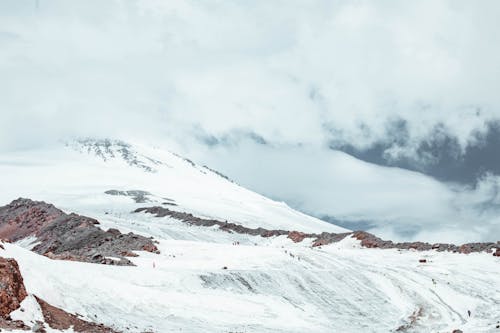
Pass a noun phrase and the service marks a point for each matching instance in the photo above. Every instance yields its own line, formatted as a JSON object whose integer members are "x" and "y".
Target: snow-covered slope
{"x": 75, "y": 176}
{"x": 207, "y": 280}
{"x": 339, "y": 288}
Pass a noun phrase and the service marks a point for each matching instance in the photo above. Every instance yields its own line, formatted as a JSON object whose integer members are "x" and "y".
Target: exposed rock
{"x": 115, "y": 149}
{"x": 9, "y": 324}
{"x": 297, "y": 236}
{"x": 465, "y": 249}
{"x": 137, "y": 195}
{"x": 12, "y": 291}
{"x": 61, "y": 320}
{"x": 370, "y": 241}
{"x": 367, "y": 240}
{"x": 23, "y": 218}
{"x": 220, "y": 174}
{"x": 422, "y": 261}
{"x": 68, "y": 236}
{"x": 225, "y": 226}
{"x": 326, "y": 238}
{"x": 497, "y": 252}
{"x": 412, "y": 321}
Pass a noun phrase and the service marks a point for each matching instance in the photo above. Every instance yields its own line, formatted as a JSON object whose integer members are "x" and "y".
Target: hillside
{"x": 112, "y": 236}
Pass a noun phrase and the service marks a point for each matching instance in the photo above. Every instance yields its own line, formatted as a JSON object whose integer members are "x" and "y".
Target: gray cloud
{"x": 439, "y": 154}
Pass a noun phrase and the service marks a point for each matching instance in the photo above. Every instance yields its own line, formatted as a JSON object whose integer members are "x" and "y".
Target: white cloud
{"x": 223, "y": 65}
{"x": 398, "y": 204}
{"x": 298, "y": 74}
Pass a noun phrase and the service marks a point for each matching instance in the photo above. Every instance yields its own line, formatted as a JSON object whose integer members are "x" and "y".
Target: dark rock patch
{"x": 68, "y": 236}
{"x": 198, "y": 221}
{"x": 137, "y": 195}
{"x": 297, "y": 236}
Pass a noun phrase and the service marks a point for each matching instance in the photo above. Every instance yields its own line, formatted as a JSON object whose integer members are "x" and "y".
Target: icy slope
{"x": 207, "y": 280}
{"x": 339, "y": 288}
{"x": 76, "y": 175}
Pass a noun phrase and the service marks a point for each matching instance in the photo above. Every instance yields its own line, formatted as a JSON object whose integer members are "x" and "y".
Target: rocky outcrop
{"x": 68, "y": 236}
{"x": 137, "y": 195}
{"x": 371, "y": 241}
{"x": 326, "y": 238}
{"x": 198, "y": 221}
{"x": 62, "y": 320}
{"x": 23, "y": 218}
{"x": 366, "y": 239}
{"x": 297, "y": 236}
{"x": 12, "y": 291}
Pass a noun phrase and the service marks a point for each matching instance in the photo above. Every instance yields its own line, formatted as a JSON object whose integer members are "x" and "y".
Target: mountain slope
{"x": 213, "y": 279}
{"x": 77, "y": 175}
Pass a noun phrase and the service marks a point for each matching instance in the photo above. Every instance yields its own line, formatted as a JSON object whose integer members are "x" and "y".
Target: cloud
{"x": 290, "y": 71}
{"x": 394, "y": 203}
{"x": 408, "y": 85}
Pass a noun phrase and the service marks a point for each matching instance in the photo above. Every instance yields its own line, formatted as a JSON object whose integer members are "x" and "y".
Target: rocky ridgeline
{"x": 367, "y": 240}
{"x": 68, "y": 236}
{"x": 226, "y": 226}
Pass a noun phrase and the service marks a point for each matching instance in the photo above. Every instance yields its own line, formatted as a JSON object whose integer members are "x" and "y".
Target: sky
{"x": 379, "y": 115}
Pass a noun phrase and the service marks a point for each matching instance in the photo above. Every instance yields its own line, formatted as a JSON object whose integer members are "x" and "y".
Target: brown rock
{"x": 150, "y": 248}
{"x": 320, "y": 242}
{"x": 297, "y": 236}
{"x": 12, "y": 291}
{"x": 422, "y": 260}
{"x": 497, "y": 253}
{"x": 64, "y": 236}
{"x": 61, "y": 320}
{"x": 10, "y": 325}
{"x": 465, "y": 249}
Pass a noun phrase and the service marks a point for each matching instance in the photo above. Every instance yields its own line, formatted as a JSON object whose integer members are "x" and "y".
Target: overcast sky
{"x": 383, "y": 115}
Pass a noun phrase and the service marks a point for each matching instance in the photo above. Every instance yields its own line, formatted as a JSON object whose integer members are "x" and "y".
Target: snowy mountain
{"x": 76, "y": 176}
{"x": 138, "y": 239}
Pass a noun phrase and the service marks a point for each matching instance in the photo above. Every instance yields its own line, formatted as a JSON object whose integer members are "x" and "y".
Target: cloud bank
{"x": 271, "y": 92}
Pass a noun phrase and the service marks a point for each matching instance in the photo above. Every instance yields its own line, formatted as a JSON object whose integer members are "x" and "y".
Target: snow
{"x": 30, "y": 313}
{"x": 269, "y": 284}
{"x": 264, "y": 289}
{"x": 74, "y": 179}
